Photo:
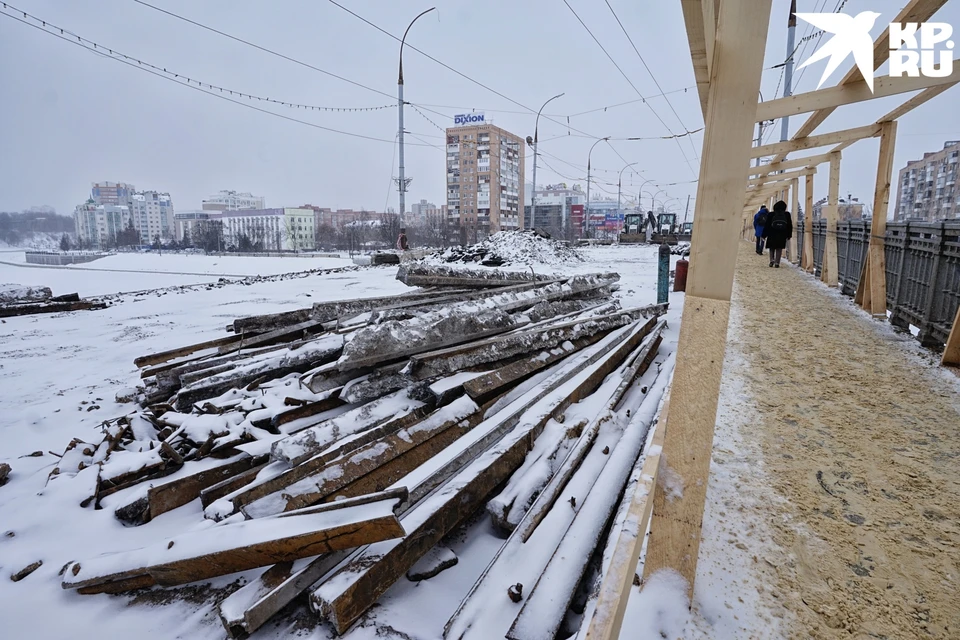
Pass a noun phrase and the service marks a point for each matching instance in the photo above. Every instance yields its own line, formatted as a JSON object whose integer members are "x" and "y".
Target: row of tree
{"x": 16, "y": 226}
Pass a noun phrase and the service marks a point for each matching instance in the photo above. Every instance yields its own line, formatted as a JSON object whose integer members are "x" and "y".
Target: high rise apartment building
{"x": 116, "y": 193}
{"x": 98, "y": 224}
{"x": 927, "y": 189}
{"x": 153, "y": 216}
{"x": 484, "y": 179}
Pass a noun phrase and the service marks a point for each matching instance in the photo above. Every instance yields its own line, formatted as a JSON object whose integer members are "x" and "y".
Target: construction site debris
{"x": 435, "y": 561}
{"x": 4, "y": 473}
{"x": 19, "y": 293}
{"x": 511, "y": 248}
{"x": 424, "y": 275}
{"x": 27, "y": 570}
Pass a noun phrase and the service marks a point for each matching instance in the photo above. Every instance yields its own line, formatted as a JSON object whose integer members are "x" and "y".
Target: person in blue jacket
{"x": 759, "y": 222}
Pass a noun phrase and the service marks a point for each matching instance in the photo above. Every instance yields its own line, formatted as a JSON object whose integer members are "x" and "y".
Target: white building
{"x": 185, "y": 223}
{"x": 288, "y": 229}
{"x": 153, "y": 215}
{"x": 99, "y": 224}
{"x": 233, "y": 201}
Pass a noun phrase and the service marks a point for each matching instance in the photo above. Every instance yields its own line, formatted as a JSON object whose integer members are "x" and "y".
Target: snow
{"x": 661, "y": 609}
{"x": 518, "y": 249}
{"x": 50, "y": 364}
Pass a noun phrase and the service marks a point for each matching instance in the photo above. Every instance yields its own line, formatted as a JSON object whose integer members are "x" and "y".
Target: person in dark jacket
{"x": 778, "y": 230}
{"x": 759, "y": 222}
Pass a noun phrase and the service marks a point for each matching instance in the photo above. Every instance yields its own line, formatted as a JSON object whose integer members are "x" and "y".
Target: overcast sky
{"x": 69, "y": 117}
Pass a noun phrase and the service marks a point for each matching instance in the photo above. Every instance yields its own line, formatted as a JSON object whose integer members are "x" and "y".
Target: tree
{"x": 389, "y": 228}
{"x": 64, "y": 242}
{"x": 186, "y": 237}
{"x": 325, "y": 236}
{"x": 209, "y": 235}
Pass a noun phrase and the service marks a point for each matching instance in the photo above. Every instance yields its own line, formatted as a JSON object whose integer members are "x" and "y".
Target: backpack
{"x": 762, "y": 220}
{"x": 779, "y": 223}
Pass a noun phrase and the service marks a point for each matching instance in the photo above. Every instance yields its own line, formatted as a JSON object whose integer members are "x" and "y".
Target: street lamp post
{"x": 533, "y": 196}
{"x": 656, "y": 194}
{"x": 402, "y": 182}
{"x": 620, "y": 188}
{"x": 587, "y": 212}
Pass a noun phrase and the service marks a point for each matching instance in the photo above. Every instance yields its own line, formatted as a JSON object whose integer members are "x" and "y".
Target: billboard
{"x": 465, "y": 119}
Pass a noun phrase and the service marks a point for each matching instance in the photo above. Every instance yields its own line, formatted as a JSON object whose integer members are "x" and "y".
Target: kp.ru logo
{"x": 468, "y": 118}
{"x": 913, "y": 45}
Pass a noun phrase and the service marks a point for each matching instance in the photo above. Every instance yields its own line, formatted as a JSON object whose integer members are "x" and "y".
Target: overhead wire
{"x": 630, "y": 82}
{"x": 262, "y": 48}
{"x": 102, "y": 51}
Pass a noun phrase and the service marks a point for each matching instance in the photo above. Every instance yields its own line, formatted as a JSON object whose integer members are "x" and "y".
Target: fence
{"x": 52, "y": 258}
{"x": 922, "y": 266}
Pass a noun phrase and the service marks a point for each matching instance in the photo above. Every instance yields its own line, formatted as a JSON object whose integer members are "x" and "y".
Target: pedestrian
{"x": 402, "y": 243}
{"x": 778, "y": 230}
{"x": 759, "y": 222}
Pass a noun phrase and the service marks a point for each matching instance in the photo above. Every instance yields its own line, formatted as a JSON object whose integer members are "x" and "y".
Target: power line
{"x": 652, "y": 77}
{"x": 449, "y": 68}
{"x": 630, "y": 82}
{"x": 102, "y": 51}
{"x": 261, "y": 48}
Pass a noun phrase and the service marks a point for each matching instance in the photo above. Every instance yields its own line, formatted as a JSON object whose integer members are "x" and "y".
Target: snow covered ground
{"x": 138, "y": 271}
{"x": 60, "y": 376}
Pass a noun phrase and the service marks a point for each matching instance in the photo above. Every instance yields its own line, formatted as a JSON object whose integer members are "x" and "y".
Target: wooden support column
{"x": 792, "y": 254}
{"x": 741, "y": 38}
{"x": 807, "y": 264}
{"x": 830, "y": 271}
{"x": 878, "y": 227}
{"x": 951, "y": 352}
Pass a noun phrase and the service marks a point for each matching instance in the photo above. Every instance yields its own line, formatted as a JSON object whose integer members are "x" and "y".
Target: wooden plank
{"x": 878, "y": 226}
{"x": 914, "y": 102}
{"x": 176, "y": 493}
{"x": 833, "y": 97}
{"x": 358, "y": 585}
{"x": 217, "y": 551}
{"x": 773, "y": 167}
{"x": 8, "y": 311}
{"x": 305, "y": 411}
{"x": 807, "y": 263}
{"x": 607, "y": 619}
{"x": 216, "y": 491}
{"x": 163, "y": 356}
{"x": 812, "y": 142}
{"x": 830, "y": 271}
{"x": 951, "y": 351}
{"x": 299, "y": 331}
{"x": 693, "y": 15}
{"x": 786, "y": 176}
{"x": 741, "y": 39}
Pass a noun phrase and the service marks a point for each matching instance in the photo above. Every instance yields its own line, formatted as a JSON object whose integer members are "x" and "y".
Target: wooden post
{"x": 951, "y": 352}
{"x": 794, "y": 203}
{"x": 807, "y": 264}
{"x": 830, "y": 271}
{"x": 878, "y": 226}
{"x": 734, "y": 85}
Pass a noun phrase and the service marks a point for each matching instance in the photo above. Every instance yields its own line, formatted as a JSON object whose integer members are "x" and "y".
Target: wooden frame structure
{"x": 727, "y": 39}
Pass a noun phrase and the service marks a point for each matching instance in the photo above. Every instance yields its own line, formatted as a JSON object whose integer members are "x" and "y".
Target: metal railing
{"x": 922, "y": 267}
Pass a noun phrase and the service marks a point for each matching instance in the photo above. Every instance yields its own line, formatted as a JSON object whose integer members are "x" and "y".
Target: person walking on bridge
{"x": 778, "y": 230}
{"x": 759, "y": 222}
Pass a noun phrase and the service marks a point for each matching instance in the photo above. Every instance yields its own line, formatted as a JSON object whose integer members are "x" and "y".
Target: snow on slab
{"x": 660, "y": 610}
{"x": 432, "y": 563}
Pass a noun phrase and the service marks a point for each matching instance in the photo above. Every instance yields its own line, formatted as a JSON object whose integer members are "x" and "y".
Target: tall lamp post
{"x": 655, "y": 196}
{"x": 620, "y": 189}
{"x": 402, "y": 182}
{"x": 587, "y": 212}
{"x": 533, "y": 196}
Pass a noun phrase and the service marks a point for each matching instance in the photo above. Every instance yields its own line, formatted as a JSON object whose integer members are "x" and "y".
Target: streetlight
{"x": 658, "y": 193}
{"x": 402, "y": 182}
{"x": 620, "y": 185}
{"x": 533, "y": 197}
{"x": 587, "y": 221}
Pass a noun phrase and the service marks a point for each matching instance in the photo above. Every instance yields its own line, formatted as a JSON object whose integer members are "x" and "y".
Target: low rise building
{"x": 185, "y": 224}
{"x": 554, "y": 209}
{"x": 290, "y": 229}
{"x": 233, "y": 201}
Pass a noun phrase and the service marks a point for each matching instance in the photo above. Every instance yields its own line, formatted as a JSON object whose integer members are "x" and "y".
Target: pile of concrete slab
{"x": 19, "y": 300}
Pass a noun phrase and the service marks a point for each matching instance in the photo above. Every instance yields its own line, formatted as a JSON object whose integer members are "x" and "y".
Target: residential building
{"x": 116, "y": 193}
{"x": 337, "y": 218}
{"x": 848, "y": 209}
{"x": 418, "y": 210}
{"x": 926, "y": 188}
{"x": 98, "y": 224}
{"x": 290, "y": 229}
{"x": 555, "y": 204}
{"x": 232, "y": 201}
{"x": 485, "y": 169}
{"x": 153, "y": 216}
{"x": 185, "y": 223}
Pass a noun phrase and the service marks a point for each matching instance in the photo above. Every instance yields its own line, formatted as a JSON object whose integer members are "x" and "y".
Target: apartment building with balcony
{"x": 927, "y": 188}
{"x": 484, "y": 179}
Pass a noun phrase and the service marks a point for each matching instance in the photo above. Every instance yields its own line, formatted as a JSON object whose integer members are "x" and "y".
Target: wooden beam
{"x": 693, "y": 20}
{"x": 786, "y": 176}
{"x": 607, "y": 617}
{"x": 951, "y": 351}
{"x": 914, "y": 11}
{"x": 878, "y": 226}
{"x": 914, "y": 102}
{"x": 796, "y": 163}
{"x": 822, "y": 140}
{"x": 794, "y": 202}
{"x": 838, "y": 96}
{"x": 807, "y": 261}
{"x": 738, "y": 59}
{"x": 829, "y": 273}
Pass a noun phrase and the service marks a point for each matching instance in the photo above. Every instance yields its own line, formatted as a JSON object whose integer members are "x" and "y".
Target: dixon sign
{"x": 468, "y": 118}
